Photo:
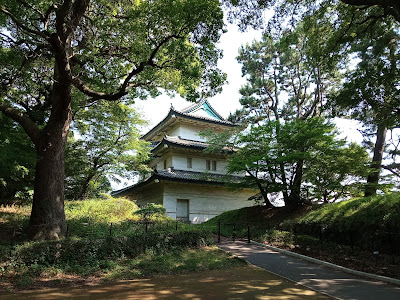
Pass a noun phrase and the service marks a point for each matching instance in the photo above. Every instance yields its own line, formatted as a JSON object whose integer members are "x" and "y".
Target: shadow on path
{"x": 246, "y": 282}
{"x": 332, "y": 282}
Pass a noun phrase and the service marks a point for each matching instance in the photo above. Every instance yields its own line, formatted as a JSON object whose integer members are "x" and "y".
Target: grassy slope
{"x": 260, "y": 219}
{"x": 365, "y": 217}
{"x": 378, "y": 210}
{"x": 112, "y": 210}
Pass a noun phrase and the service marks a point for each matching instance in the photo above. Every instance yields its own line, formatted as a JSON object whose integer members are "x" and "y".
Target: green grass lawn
{"x": 377, "y": 211}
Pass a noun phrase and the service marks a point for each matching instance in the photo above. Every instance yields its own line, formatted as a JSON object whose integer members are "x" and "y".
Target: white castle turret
{"x": 190, "y": 183}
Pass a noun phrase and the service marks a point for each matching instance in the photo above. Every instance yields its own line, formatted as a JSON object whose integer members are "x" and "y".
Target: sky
{"x": 154, "y": 110}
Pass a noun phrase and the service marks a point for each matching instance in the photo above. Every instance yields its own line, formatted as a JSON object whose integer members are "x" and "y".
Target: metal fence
{"x": 378, "y": 240}
{"x": 94, "y": 230}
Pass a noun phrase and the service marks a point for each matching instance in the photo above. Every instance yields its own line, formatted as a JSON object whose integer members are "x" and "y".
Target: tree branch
{"x": 123, "y": 89}
{"x": 78, "y": 10}
{"x": 46, "y": 16}
{"x": 149, "y": 62}
{"x": 43, "y": 34}
{"x": 391, "y": 7}
{"x": 31, "y": 129}
{"x": 96, "y": 95}
{"x": 391, "y": 170}
{"x": 32, "y": 8}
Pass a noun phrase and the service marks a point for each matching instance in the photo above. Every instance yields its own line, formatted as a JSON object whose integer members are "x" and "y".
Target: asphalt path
{"x": 329, "y": 281}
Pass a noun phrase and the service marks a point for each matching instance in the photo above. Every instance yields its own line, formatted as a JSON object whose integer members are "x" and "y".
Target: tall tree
{"x": 289, "y": 72}
{"x": 289, "y": 75}
{"x": 335, "y": 172}
{"x": 250, "y": 12}
{"x": 371, "y": 93}
{"x": 329, "y": 166}
{"x": 57, "y": 56}
{"x": 108, "y": 144}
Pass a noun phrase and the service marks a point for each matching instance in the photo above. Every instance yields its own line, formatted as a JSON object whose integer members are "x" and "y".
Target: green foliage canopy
{"x": 330, "y": 168}
{"x": 60, "y": 56}
{"x": 107, "y": 144}
{"x": 17, "y": 161}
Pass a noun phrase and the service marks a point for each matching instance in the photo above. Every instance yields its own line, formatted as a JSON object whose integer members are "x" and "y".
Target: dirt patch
{"x": 247, "y": 282}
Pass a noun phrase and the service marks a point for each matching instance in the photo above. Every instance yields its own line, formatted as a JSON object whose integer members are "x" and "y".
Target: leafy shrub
{"x": 307, "y": 241}
{"x": 151, "y": 211}
{"x": 279, "y": 238}
{"x": 110, "y": 210}
{"x": 87, "y": 255}
{"x": 116, "y": 217}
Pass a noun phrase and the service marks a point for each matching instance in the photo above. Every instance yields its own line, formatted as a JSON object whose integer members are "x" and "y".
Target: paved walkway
{"x": 332, "y": 282}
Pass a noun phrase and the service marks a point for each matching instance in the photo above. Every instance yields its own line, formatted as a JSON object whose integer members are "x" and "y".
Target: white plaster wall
{"x": 179, "y": 162}
{"x": 187, "y": 132}
{"x": 152, "y": 194}
{"x": 175, "y": 131}
{"x": 191, "y": 133}
{"x": 202, "y": 113}
{"x": 205, "y": 202}
{"x": 160, "y": 163}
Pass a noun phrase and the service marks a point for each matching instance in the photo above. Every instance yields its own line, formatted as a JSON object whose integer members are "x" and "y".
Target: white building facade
{"x": 188, "y": 182}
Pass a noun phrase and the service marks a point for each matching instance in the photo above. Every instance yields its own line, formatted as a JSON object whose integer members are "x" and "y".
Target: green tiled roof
{"x": 176, "y": 113}
{"x": 172, "y": 174}
{"x": 179, "y": 142}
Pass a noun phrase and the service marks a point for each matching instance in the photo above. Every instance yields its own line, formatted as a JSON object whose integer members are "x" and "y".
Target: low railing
{"x": 382, "y": 240}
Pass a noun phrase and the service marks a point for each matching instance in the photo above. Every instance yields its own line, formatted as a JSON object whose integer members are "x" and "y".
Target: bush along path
{"x": 79, "y": 257}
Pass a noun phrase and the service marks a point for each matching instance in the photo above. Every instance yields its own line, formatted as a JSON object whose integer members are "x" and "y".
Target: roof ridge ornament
{"x": 205, "y": 106}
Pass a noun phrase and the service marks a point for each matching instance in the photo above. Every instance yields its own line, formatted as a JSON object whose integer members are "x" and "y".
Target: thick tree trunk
{"x": 48, "y": 217}
{"x": 285, "y": 190}
{"x": 85, "y": 187}
{"x": 295, "y": 189}
{"x": 376, "y": 165}
{"x": 326, "y": 196}
{"x": 264, "y": 194}
{"x": 281, "y": 165}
